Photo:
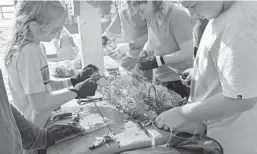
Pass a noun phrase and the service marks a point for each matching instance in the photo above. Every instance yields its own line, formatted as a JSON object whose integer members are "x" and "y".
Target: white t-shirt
{"x": 28, "y": 73}
{"x": 226, "y": 63}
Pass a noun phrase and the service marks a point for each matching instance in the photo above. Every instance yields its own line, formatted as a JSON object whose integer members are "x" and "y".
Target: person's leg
{"x": 179, "y": 88}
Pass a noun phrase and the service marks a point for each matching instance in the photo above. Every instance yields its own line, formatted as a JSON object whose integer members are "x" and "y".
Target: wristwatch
{"x": 131, "y": 46}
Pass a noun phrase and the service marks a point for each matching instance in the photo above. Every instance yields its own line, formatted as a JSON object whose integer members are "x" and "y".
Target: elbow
{"x": 249, "y": 103}
{"x": 38, "y": 102}
{"x": 244, "y": 104}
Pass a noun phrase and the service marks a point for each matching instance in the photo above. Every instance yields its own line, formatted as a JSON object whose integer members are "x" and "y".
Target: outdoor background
{"x": 56, "y": 51}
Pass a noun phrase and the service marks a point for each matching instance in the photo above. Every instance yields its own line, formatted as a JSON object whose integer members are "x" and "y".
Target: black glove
{"x": 96, "y": 69}
{"x": 148, "y": 64}
{"x": 85, "y": 88}
{"x": 84, "y": 74}
{"x": 104, "y": 40}
{"x": 143, "y": 54}
{"x": 58, "y": 132}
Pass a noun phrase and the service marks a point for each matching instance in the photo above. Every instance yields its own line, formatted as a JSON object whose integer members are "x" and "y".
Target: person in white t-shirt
{"x": 26, "y": 63}
{"x": 223, "y": 80}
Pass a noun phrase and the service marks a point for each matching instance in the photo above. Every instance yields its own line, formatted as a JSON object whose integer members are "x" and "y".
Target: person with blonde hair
{"x": 169, "y": 40}
{"x": 17, "y": 133}
{"x": 26, "y": 63}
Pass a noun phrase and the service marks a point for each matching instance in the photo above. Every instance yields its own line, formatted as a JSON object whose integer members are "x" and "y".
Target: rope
{"x": 103, "y": 117}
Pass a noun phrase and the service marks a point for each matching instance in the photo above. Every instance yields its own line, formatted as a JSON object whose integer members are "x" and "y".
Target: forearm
{"x": 43, "y": 102}
{"x": 32, "y": 136}
{"x": 177, "y": 57}
{"x": 216, "y": 107}
{"x": 114, "y": 26}
{"x": 59, "y": 98}
{"x": 184, "y": 54}
{"x": 58, "y": 84}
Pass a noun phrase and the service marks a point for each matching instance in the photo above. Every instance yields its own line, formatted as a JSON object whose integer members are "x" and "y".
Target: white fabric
{"x": 123, "y": 48}
{"x": 158, "y": 60}
{"x": 28, "y": 74}
{"x": 226, "y": 63}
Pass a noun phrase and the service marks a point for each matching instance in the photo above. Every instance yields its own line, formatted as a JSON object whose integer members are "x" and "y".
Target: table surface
{"x": 128, "y": 133}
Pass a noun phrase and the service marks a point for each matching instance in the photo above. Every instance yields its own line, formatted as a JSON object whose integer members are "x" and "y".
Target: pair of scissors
{"x": 86, "y": 101}
{"x": 62, "y": 116}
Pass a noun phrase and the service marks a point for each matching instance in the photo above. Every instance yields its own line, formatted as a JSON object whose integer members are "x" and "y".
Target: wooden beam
{"x": 90, "y": 36}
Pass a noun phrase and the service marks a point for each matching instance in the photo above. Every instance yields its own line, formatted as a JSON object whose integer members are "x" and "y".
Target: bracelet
{"x": 65, "y": 83}
{"x": 162, "y": 60}
{"x": 158, "y": 60}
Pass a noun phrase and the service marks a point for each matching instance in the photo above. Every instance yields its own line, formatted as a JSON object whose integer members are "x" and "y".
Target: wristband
{"x": 162, "y": 60}
{"x": 65, "y": 83}
{"x": 158, "y": 60}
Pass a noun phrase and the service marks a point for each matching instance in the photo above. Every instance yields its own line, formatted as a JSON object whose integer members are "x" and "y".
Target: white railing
{"x": 2, "y": 12}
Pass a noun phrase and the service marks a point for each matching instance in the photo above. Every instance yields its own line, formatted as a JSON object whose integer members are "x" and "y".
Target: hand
{"x": 84, "y": 74}
{"x": 58, "y": 132}
{"x": 186, "y": 77}
{"x": 104, "y": 40}
{"x": 148, "y": 64}
{"x": 123, "y": 48}
{"x": 85, "y": 88}
{"x": 170, "y": 119}
{"x": 143, "y": 54}
{"x": 115, "y": 54}
{"x": 96, "y": 69}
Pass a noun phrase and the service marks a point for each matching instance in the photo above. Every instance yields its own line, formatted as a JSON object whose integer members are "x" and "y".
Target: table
{"x": 128, "y": 134}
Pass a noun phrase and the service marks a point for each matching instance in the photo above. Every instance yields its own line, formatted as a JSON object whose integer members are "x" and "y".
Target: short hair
{"x": 158, "y": 7}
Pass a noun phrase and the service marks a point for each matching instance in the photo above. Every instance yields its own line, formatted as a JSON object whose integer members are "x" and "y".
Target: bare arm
{"x": 184, "y": 54}
{"x": 114, "y": 26}
{"x": 42, "y": 101}
{"x": 217, "y": 107}
{"x": 182, "y": 32}
{"x": 58, "y": 84}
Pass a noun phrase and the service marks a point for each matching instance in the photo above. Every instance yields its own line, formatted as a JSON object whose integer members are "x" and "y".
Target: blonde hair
{"x": 42, "y": 12}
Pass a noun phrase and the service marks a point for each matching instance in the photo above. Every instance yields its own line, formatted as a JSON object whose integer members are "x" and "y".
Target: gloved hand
{"x": 58, "y": 132}
{"x": 85, "y": 88}
{"x": 143, "y": 54}
{"x": 186, "y": 77}
{"x": 84, "y": 74}
{"x": 96, "y": 69}
{"x": 104, "y": 40}
{"x": 148, "y": 63}
{"x": 151, "y": 63}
